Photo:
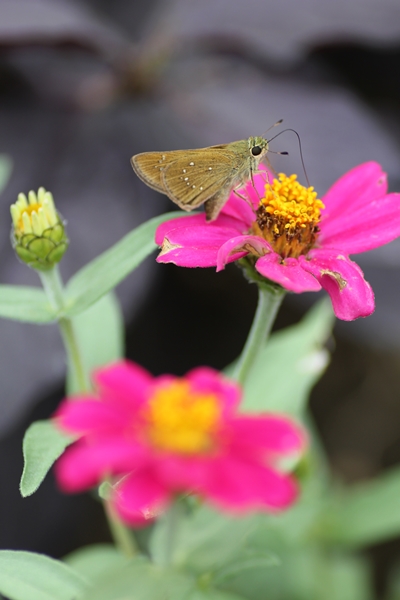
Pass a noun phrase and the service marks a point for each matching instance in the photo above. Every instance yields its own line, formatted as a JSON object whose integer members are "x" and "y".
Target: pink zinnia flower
{"x": 160, "y": 436}
{"x": 293, "y": 238}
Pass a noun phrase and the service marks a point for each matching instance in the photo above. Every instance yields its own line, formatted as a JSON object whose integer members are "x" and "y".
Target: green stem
{"x": 74, "y": 356}
{"x": 269, "y": 300}
{"x": 53, "y": 287}
{"x": 172, "y": 517}
{"x": 122, "y": 536}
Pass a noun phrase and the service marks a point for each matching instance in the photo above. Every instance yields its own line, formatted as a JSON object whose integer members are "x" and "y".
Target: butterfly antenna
{"x": 300, "y": 148}
{"x": 272, "y": 126}
{"x": 283, "y": 153}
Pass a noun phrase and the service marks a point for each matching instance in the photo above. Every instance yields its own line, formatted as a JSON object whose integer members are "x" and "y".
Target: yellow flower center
{"x": 180, "y": 419}
{"x": 288, "y": 216}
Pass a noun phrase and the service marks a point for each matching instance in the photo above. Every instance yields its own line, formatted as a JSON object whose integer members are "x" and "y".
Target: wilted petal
{"x": 351, "y": 295}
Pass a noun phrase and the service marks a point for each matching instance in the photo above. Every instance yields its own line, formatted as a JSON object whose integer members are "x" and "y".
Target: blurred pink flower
{"x": 294, "y": 239}
{"x": 160, "y": 436}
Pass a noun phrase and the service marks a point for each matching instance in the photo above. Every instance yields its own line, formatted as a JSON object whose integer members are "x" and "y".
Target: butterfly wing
{"x": 149, "y": 166}
{"x": 191, "y": 180}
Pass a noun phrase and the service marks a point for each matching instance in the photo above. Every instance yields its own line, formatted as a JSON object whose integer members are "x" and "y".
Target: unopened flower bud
{"x": 38, "y": 236}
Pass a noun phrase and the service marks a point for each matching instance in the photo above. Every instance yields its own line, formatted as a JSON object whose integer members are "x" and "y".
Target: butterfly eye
{"x": 256, "y": 150}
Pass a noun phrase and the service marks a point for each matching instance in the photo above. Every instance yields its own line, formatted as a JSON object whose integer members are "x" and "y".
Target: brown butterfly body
{"x": 206, "y": 176}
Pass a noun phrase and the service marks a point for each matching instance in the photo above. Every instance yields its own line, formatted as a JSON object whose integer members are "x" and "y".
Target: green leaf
{"x": 315, "y": 574}
{"x": 29, "y": 576}
{"x": 110, "y": 268}
{"x": 92, "y": 562}
{"x": 42, "y": 445}
{"x": 348, "y": 578}
{"x": 290, "y": 364}
{"x": 306, "y": 572}
{"x": 100, "y": 335}
{"x": 23, "y": 303}
{"x": 5, "y": 170}
{"x": 212, "y": 594}
{"x": 206, "y": 541}
{"x": 368, "y": 513}
{"x": 248, "y": 561}
{"x": 139, "y": 580}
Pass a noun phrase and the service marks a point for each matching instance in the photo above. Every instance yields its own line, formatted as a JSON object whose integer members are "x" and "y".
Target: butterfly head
{"x": 258, "y": 147}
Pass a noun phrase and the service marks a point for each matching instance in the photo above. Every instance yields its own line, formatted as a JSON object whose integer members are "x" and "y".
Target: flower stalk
{"x": 269, "y": 300}
{"x": 121, "y": 535}
{"x": 53, "y": 287}
{"x": 172, "y": 518}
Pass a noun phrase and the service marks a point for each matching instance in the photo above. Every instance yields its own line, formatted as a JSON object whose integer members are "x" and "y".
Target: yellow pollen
{"x": 288, "y": 216}
{"x": 295, "y": 204}
{"x": 180, "y": 419}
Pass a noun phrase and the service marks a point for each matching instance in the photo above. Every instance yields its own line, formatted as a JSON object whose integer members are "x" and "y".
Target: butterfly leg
{"x": 243, "y": 198}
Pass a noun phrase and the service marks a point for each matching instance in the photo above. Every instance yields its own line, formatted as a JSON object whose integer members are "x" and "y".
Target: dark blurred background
{"x": 86, "y": 84}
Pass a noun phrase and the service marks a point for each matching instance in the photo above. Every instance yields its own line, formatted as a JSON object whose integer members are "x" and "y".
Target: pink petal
{"x": 140, "y": 494}
{"x": 185, "y": 230}
{"x": 288, "y": 273}
{"x": 270, "y": 433}
{"x": 352, "y": 297}
{"x": 88, "y": 416}
{"x": 183, "y": 473}
{"x": 239, "y": 486}
{"x": 190, "y": 257}
{"x": 198, "y": 245}
{"x": 239, "y": 209}
{"x": 237, "y": 245}
{"x": 124, "y": 383}
{"x": 368, "y": 227}
{"x": 206, "y": 380}
{"x": 84, "y": 465}
{"x": 356, "y": 189}
{"x": 231, "y": 482}
{"x": 189, "y": 221}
